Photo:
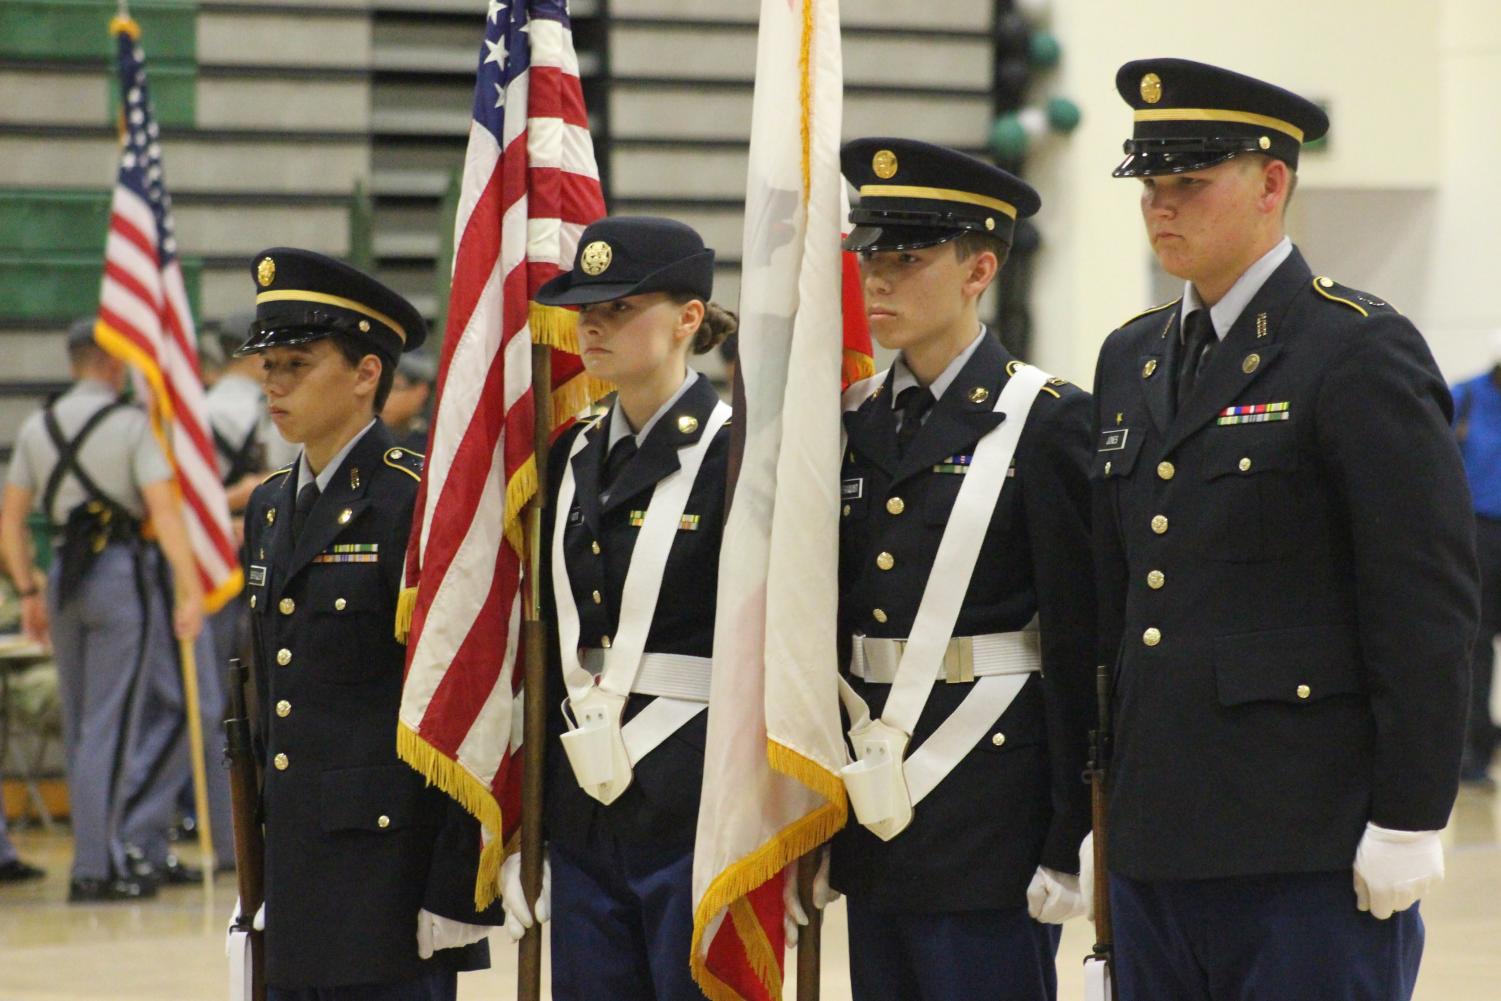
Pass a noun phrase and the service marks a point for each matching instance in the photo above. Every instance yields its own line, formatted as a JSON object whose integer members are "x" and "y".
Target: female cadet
{"x": 631, "y": 554}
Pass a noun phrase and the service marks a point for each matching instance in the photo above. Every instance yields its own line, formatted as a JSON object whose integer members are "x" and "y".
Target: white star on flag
{"x": 497, "y": 52}
{"x": 500, "y": 96}
{"x": 495, "y": 8}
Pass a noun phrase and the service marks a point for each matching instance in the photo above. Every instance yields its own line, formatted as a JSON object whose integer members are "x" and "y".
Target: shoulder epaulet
{"x": 1052, "y": 386}
{"x": 1154, "y": 309}
{"x": 406, "y": 460}
{"x": 280, "y": 472}
{"x": 1362, "y": 302}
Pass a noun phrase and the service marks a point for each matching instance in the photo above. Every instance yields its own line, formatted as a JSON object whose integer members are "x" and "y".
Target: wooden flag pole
{"x": 195, "y": 749}
{"x": 810, "y": 936}
{"x": 534, "y": 633}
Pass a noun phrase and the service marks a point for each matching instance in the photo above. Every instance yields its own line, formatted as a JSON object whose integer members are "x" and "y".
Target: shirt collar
{"x": 904, "y": 378}
{"x": 92, "y": 387}
{"x": 305, "y": 471}
{"x": 1224, "y": 313}
{"x": 621, "y": 428}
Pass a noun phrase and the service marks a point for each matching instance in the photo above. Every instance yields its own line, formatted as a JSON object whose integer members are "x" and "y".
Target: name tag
{"x": 1114, "y": 440}
{"x": 576, "y": 516}
{"x": 852, "y": 489}
{"x": 257, "y": 575}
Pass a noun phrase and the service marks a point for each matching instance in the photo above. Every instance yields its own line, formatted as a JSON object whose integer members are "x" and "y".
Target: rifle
{"x": 250, "y": 845}
{"x": 1099, "y": 965}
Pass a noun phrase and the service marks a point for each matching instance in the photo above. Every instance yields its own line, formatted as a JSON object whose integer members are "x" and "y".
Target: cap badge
{"x": 884, "y": 164}
{"x": 1151, "y": 88}
{"x": 990, "y": 222}
{"x": 1265, "y": 142}
{"x": 265, "y": 272}
{"x": 596, "y": 257}
{"x": 687, "y": 424}
{"x": 364, "y": 326}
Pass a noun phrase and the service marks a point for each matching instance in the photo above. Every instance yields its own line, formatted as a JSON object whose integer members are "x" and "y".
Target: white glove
{"x": 1393, "y": 869}
{"x": 1086, "y": 874}
{"x": 1053, "y": 897}
{"x": 436, "y": 932}
{"x": 519, "y": 916}
{"x": 259, "y": 921}
{"x": 793, "y": 915}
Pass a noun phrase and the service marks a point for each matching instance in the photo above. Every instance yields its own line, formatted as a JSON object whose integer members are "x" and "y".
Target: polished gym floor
{"x": 172, "y": 948}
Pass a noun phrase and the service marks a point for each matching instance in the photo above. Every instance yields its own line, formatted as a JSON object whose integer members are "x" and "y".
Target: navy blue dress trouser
{"x": 1294, "y": 937}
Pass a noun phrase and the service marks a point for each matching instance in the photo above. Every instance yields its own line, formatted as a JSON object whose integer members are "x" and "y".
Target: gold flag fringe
{"x": 406, "y": 605}
{"x": 554, "y": 326}
{"x": 455, "y": 780}
{"x": 797, "y": 839}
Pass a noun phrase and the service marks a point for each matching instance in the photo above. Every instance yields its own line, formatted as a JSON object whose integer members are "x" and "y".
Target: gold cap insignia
{"x": 364, "y": 326}
{"x": 1249, "y": 365}
{"x": 884, "y": 164}
{"x": 990, "y": 222}
{"x": 1149, "y": 368}
{"x": 1151, "y": 88}
{"x": 979, "y": 394}
{"x": 596, "y": 257}
{"x": 687, "y": 424}
{"x": 1265, "y": 142}
{"x": 265, "y": 272}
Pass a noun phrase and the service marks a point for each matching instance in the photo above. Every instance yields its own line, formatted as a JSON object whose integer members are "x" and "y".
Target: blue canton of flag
{"x": 141, "y": 159}
{"x": 504, "y": 55}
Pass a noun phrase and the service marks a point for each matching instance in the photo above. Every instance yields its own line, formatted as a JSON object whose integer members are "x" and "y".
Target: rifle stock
{"x": 250, "y": 846}
{"x": 1099, "y": 761}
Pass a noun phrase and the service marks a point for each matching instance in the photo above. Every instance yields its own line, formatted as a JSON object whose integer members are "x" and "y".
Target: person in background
{"x": 408, "y": 407}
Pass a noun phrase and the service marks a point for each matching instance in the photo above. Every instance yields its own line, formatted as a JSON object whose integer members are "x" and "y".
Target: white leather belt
{"x": 669, "y": 675}
{"x": 965, "y": 659}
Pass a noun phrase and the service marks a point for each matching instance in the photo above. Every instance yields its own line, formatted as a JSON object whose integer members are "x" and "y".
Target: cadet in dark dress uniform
{"x": 363, "y": 860}
{"x": 630, "y": 566}
{"x": 1288, "y": 581}
{"x": 967, "y": 900}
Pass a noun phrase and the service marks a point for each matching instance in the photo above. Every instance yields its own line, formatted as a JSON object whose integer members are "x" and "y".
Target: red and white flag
{"x": 772, "y": 790}
{"x": 530, "y": 187}
{"x": 144, "y": 319}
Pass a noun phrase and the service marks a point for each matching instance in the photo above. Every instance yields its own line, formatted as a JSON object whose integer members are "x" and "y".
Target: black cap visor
{"x": 693, "y": 274}
{"x": 1147, "y": 157}
{"x": 262, "y": 338}
{"x": 874, "y": 239}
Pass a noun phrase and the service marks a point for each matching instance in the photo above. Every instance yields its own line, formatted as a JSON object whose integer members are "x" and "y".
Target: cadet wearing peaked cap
{"x": 965, "y": 451}
{"x": 1288, "y": 581}
{"x": 620, "y": 846}
{"x": 369, "y": 872}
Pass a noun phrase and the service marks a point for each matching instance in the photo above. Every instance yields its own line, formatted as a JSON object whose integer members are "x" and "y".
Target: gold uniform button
{"x": 895, "y": 505}
{"x": 1156, "y": 579}
{"x": 594, "y": 548}
{"x": 281, "y": 762}
{"x": 1304, "y": 691}
{"x": 383, "y": 821}
{"x": 252, "y": 601}
{"x": 1159, "y": 524}
{"x": 340, "y": 604}
{"x": 879, "y": 614}
{"x": 1152, "y": 636}
{"x": 885, "y": 561}
{"x": 846, "y": 510}
{"x": 284, "y": 656}
{"x": 1166, "y": 471}
{"x": 1245, "y": 465}
{"x": 597, "y": 597}
{"x": 283, "y": 708}
{"x": 604, "y": 641}
{"x": 287, "y": 606}
{"x": 998, "y": 739}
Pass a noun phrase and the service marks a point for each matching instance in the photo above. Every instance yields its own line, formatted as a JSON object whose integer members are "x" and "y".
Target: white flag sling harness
{"x": 883, "y": 787}
{"x": 601, "y": 752}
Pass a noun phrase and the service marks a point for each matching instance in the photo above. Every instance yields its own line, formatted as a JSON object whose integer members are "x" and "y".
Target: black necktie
{"x": 914, "y": 402}
{"x": 306, "y": 498}
{"x": 1198, "y": 344}
{"x": 621, "y": 454}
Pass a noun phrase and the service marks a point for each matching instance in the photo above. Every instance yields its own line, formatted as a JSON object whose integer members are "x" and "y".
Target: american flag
{"x": 144, "y": 319}
{"x": 530, "y": 187}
